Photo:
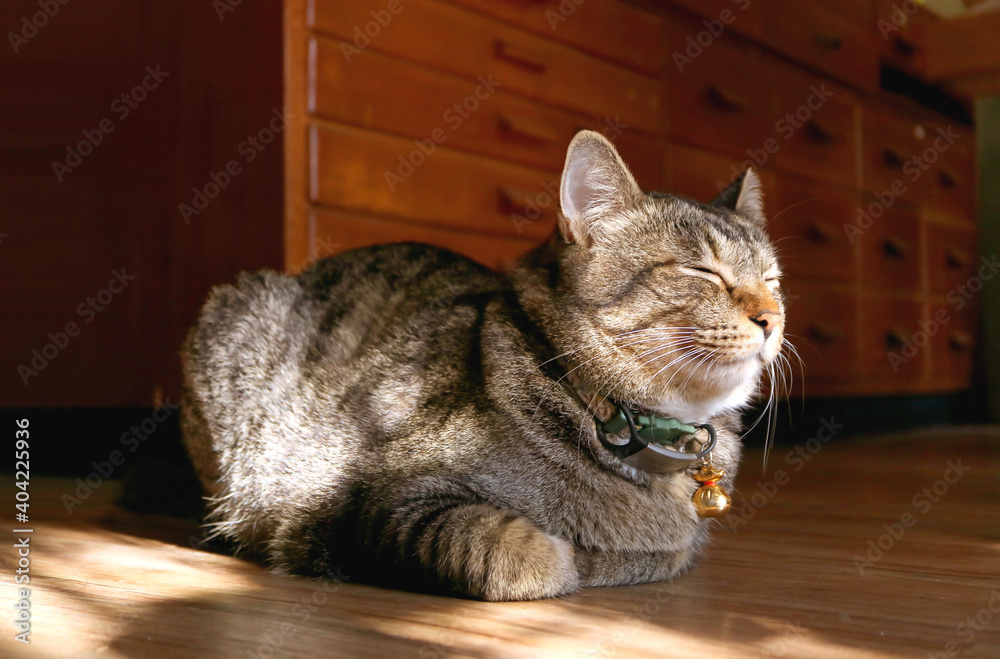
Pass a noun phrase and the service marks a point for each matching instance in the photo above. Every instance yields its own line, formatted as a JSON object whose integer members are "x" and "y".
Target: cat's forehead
{"x": 713, "y": 232}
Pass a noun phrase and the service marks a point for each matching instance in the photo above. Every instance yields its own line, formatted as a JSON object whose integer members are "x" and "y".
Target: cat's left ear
{"x": 596, "y": 190}
{"x": 744, "y": 196}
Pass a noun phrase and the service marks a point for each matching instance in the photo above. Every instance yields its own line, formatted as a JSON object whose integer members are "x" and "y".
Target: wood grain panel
{"x": 608, "y": 29}
{"x": 805, "y": 221}
{"x": 446, "y": 188}
{"x": 395, "y": 96}
{"x": 461, "y": 42}
{"x": 337, "y": 232}
{"x": 891, "y": 325}
{"x": 818, "y": 125}
{"x": 741, "y": 16}
{"x": 889, "y": 142}
{"x": 722, "y": 100}
{"x": 952, "y": 255}
{"x": 811, "y": 33}
{"x": 822, "y": 323}
{"x": 891, "y": 251}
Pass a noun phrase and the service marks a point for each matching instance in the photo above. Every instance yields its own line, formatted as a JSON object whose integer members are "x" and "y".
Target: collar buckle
{"x": 652, "y": 440}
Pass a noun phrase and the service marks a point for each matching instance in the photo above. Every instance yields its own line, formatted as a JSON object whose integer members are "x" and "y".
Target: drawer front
{"x": 952, "y": 257}
{"x": 856, "y": 12}
{"x": 821, "y": 325}
{"x": 806, "y": 223}
{"x": 701, "y": 175}
{"x": 470, "y": 45}
{"x": 949, "y": 184}
{"x": 890, "y": 346}
{"x": 895, "y": 32}
{"x": 888, "y": 145}
{"x": 373, "y": 173}
{"x": 337, "y": 231}
{"x": 890, "y": 251}
{"x": 741, "y": 16}
{"x": 811, "y": 33}
{"x": 818, "y": 127}
{"x": 389, "y": 94}
{"x": 954, "y": 346}
{"x": 608, "y": 28}
{"x": 721, "y": 100}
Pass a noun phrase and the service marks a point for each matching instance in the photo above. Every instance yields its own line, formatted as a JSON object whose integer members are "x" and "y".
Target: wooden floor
{"x": 787, "y": 583}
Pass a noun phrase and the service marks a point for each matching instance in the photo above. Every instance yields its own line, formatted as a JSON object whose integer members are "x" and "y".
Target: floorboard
{"x": 782, "y": 578}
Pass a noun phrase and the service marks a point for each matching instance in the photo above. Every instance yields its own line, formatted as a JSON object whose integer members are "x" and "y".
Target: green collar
{"x": 653, "y": 444}
{"x": 651, "y": 428}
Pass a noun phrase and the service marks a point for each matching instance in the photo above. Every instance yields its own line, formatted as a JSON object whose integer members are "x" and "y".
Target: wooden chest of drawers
{"x": 447, "y": 120}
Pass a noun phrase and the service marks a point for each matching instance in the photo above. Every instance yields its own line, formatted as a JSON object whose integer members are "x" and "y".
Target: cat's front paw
{"x": 527, "y": 564}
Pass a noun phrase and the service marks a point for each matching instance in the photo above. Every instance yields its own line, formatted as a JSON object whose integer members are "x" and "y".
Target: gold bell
{"x": 710, "y": 500}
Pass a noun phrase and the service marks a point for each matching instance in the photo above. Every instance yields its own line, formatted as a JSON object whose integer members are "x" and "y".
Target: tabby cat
{"x": 404, "y": 414}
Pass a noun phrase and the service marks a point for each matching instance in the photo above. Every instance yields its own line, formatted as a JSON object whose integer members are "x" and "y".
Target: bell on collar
{"x": 710, "y": 500}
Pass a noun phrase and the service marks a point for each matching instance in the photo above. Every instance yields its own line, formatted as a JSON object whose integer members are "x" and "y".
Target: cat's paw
{"x": 527, "y": 564}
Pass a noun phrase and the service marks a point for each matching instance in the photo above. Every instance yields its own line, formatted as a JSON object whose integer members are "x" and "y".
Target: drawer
{"x": 467, "y": 44}
{"x": 722, "y": 100}
{"x": 949, "y": 184}
{"x": 746, "y": 16}
{"x": 821, "y": 324}
{"x": 336, "y": 231}
{"x": 890, "y": 251}
{"x": 953, "y": 355}
{"x": 952, "y": 256}
{"x": 888, "y": 144}
{"x": 813, "y": 34}
{"x": 806, "y": 224}
{"x": 608, "y": 28}
{"x": 817, "y": 128}
{"x": 889, "y": 327}
{"x": 355, "y": 170}
{"x": 701, "y": 175}
{"x": 389, "y": 94}
{"x": 897, "y": 32}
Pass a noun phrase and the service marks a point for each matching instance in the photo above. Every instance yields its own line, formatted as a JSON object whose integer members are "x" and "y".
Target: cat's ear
{"x": 596, "y": 189}
{"x": 744, "y": 196}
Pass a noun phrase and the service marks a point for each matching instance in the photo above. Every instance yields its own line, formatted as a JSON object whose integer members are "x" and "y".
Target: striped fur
{"x": 393, "y": 414}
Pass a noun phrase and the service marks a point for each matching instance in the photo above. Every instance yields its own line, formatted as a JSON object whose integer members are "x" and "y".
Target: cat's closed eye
{"x": 711, "y": 275}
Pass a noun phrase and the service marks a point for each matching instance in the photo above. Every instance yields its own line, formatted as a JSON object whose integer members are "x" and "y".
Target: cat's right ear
{"x": 596, "y": 189}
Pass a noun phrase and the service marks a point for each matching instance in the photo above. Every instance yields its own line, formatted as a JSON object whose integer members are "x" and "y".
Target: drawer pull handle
{"x": 957, "y": 259}
{"x": 528, "y": 2}
{"x": 903, "y": 47}
{"x": 516, "y": 201}
{"x": 820, "y": 134}
{"x": 949, "y": 178}
{"x": 960, "y": 341}
{"x": 895, "y": 248}
{"x": 520, "y": 56}
{"x": 895, "y": 338}
{"x": 826, "y": 333}
{"x": 819, "y": 232}
{"x": 725, "y": 99}
{"x": 524, "y": 128}
{"x": 829, "y": 41}
{"x": 893, "y": 158}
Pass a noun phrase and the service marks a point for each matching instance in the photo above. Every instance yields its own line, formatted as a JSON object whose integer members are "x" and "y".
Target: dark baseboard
{"x": 797, "y": 420}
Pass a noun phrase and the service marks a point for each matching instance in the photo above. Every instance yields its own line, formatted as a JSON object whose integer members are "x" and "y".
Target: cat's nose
{"x": 767, "y": 320}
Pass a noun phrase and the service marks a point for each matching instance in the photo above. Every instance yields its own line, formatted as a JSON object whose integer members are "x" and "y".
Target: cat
{"x": 403, "y": 414}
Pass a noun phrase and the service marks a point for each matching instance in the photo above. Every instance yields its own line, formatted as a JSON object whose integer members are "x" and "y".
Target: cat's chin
{"x": 730, "y": 387}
